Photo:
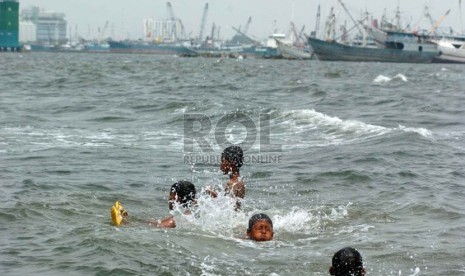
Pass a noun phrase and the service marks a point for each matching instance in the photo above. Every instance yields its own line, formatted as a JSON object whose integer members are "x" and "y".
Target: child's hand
{"x": 209, "y": 190}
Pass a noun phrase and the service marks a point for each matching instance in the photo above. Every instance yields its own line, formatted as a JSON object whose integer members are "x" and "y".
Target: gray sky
{"x": 126, "y": 17}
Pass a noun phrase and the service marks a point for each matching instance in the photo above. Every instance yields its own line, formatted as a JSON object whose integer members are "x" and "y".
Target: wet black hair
{"x": 347, "y": 261}
{"x": 185, "y": 191}
{"x": 233, "y": 154}
{"x": 258, "y": 217}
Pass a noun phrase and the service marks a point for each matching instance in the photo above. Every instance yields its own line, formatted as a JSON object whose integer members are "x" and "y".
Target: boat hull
{"x": 291, "y": 52}
{"x": 333, "y": 51}
{"x": 451, "y": 51}
{"x": 149, "y": 48}
{"x": 448, "y": 59}
{"x": 267, "y": 53}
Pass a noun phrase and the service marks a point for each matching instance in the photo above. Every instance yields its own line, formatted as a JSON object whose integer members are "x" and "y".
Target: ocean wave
{"x": 318, "y": 129}
{"x": 422, "y": 131}
{"x": 37, "y": 139}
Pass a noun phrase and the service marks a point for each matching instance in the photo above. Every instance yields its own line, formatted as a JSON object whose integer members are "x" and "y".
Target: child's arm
{"x": 168, "y": 222}
{"x": 211, "y": 192}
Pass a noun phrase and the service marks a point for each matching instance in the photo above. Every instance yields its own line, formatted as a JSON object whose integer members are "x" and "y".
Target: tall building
{"x": 50, "y": 26}
{"x": 27, "y": 32}
{"x": 9, "y": 25}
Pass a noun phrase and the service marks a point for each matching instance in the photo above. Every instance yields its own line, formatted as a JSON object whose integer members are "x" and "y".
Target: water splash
{"x": 213, "y": 215}
{"x": 217, "y": 217}
{"x": 416, "y": 272}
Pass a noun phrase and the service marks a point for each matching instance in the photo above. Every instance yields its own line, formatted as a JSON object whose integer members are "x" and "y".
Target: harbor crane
{"x": 102, "y": 32}
{"x": 202, "y": 25}
{"x": 172, "y": 19}
{"x": 212, "y": 35}
{"x": 317, "y": 23}
{"x": 246, "y": 28}
{"x": 428, "y": 15}
{"x": 438, "y": 22}
{"x": 170, "y": 11}
{"x": 255, "y": 41}
{"x": 175, "y": 19}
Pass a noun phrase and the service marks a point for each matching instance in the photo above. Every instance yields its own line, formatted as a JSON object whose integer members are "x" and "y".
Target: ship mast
{"x": 351, "y": 18}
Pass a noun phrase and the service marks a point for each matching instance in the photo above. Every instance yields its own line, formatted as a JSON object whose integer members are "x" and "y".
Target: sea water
{"x": 368, "y": 155}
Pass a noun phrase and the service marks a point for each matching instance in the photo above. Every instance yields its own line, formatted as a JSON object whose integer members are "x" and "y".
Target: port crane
{"x": 212, "y": 35}
{"x": 317, "y": 23}
{"x": 246, "y": 28}
{"x": 438, "y": 22}
{"x": 202, "y": 25}
{"x": 255, "y": 41}
{"x": 102, "y": 32}
{"x": 173, "y": 18}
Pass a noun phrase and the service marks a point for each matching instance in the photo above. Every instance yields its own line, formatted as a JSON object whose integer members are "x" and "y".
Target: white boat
{"x": 451, "y": 51}
{"x": 291, "y": 52}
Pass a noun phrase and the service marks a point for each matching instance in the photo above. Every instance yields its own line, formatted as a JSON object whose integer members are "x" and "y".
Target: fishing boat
{"x": 411, "y": 41}
{"x": 292, "y": 52}
{"x": 334, "y": 51}
{"x": 270, "y": 49}
{"x": 451, "y": 51}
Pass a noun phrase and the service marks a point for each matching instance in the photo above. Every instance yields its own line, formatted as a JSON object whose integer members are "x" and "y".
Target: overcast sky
{"x": 126, "y": 17}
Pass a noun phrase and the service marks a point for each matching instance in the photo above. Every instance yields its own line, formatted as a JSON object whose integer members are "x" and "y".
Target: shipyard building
{"x": 42, "y": 27}
{"x": 9, "y": 25}
{"x": 163, "y": 30}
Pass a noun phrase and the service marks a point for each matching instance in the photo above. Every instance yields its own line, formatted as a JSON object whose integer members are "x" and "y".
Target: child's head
{"x": 347, "y": 261}
{"x": 260, "y": 228}
{"x": 183, "y": 192}
{"x": 232, "y": 159}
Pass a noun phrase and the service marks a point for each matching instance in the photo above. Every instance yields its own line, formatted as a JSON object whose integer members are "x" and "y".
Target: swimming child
{"x": 260, "y": 228}
{"x": 232, "y": 159}
{"x": 182, "y": 192}
{"x": 347, "y": 262}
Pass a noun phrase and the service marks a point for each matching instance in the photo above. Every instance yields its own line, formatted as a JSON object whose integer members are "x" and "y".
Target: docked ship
{"x": 150, "y": 48}
{"x": 334, "y": 51}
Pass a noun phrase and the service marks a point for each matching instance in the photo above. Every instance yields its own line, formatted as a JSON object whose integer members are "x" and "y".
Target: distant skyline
{"x": 126, "y": 18}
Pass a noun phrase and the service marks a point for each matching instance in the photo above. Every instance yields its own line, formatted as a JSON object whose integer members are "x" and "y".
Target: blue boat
{"x": 97, "y": 47}
{"x": 270, "y": 49}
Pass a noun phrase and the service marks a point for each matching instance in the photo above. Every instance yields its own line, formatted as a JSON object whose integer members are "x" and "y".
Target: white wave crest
{"x": 327, "y": 129}
{"x": 317, "y": 129}
{"x": 380, "y": 79}
{"x": 422, "y": 131}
